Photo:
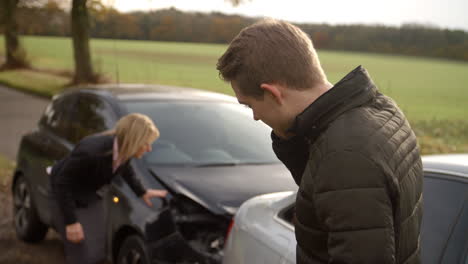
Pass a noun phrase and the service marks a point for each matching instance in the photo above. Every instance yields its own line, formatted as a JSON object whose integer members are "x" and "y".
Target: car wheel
{"x": 133, "y": 251}
{"x": 28, "y": 226}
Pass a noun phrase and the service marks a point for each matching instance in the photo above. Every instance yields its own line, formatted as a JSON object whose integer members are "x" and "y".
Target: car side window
{"x": 458, "y": 244}
{"x": 444, "y": 200}
{"x": 91, "y": 115}
{"x": 57, "y": 115}
{"x": 466, "y": 256}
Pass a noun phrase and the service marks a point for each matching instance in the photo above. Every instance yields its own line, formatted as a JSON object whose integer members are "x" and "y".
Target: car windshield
{"x": 203, "y": 133}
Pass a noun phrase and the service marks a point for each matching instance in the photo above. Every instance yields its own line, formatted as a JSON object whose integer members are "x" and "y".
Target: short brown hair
{"x": 271, "y": 51}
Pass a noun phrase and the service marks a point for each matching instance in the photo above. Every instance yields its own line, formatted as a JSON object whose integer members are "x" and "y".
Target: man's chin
{"x": 283, "y": 134}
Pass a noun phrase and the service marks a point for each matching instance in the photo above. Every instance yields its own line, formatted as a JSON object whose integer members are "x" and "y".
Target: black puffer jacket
{"x": 359, "y": 171}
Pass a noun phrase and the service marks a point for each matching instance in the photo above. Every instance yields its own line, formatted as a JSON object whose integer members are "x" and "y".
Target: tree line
{"x": 408, "y": 39}
{"x": 16, "y": 55}
{"x": 56, "y": 18}
{"x": 175, "y": 25}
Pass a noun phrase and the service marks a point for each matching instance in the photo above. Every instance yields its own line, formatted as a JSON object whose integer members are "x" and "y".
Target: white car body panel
{"x": 259, "y": 235}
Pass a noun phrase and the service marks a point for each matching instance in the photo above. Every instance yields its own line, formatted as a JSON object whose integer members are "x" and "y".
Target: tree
{"x": 236, "y": 2}
{"x": 80, "y": 36}
{"x": 15, "y": 53}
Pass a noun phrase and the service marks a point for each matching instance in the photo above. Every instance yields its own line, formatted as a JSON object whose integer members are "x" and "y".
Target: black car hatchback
{"x": 210, "y": 157}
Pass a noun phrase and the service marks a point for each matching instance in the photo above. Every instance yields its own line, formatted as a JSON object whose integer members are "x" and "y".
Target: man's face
{"x": 263, "y": 109}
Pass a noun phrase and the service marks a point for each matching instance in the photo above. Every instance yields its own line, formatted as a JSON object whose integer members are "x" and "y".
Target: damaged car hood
{"x": 222, "y": 189}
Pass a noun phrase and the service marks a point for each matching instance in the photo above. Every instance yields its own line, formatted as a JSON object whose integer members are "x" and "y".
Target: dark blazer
{"x": 76, "y": 178}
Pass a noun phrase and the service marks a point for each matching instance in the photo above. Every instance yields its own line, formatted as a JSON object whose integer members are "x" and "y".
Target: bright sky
{"x": 451, "y": 14}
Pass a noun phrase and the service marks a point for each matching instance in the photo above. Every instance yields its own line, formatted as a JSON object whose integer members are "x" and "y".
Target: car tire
{"x": 28, "y": 225}
{"x": 133, "y": 251}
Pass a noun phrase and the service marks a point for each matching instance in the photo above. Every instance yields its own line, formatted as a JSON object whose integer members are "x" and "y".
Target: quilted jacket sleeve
{"x": 352, "y": 200}
{"x": 294, "y": 154}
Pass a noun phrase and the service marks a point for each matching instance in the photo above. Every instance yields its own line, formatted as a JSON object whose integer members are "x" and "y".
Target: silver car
{"x": 263, "y": 232}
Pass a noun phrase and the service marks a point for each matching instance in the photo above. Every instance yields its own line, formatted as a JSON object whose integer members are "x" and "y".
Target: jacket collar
{"x": 355, "y": 89}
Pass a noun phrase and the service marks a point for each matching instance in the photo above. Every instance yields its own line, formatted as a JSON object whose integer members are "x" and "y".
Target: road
{"x": 19, "y": 113}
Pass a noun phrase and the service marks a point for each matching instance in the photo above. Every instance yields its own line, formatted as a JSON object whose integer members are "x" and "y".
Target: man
{"x": 348, "y": 147}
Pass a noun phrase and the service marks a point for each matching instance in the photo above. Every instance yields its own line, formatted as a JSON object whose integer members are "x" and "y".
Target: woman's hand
{"x": 75, "y": 233}
{"x": 151, "y": 193}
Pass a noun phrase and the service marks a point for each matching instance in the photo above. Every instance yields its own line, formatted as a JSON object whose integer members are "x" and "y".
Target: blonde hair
{"x": 134, "y": 131}
{"x": 271, "y": 51}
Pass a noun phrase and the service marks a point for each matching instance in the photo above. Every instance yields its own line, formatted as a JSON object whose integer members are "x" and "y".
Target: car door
{"x": 69, "y": 119}
{"x": 457, "y": 247}
{"x": 444, "y": 233}
{"x": 91, "y": 114}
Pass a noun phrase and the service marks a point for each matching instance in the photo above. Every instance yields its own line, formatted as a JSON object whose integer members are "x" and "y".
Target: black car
{"x": 211, "y": 157}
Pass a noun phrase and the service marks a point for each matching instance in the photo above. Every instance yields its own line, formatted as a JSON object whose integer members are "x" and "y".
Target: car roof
{"x": 447, "y": 163}
{"x": 127, "y": 92}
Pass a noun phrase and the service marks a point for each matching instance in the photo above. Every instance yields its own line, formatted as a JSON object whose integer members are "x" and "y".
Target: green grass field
{"x": 432, "y": 92}
{"x": 425, "y": 89}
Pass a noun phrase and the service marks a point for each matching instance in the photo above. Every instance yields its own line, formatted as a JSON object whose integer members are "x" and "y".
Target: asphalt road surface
{"x": 19, "y": 113}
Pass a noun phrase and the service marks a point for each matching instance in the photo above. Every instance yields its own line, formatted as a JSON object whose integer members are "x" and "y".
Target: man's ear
{"x": 274, "y": 91}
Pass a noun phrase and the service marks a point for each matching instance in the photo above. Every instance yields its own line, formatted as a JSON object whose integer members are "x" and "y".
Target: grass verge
{"x": 442, "y": 136}
{"x": 6, "y": 171}
{"x": 35, "y": 82}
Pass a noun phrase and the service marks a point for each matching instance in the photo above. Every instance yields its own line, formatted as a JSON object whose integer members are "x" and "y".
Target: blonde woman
{"x": 77, "y": 179}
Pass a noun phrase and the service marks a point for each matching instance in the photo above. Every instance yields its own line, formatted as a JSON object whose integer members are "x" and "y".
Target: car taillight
{"x": 229, "y": 230}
